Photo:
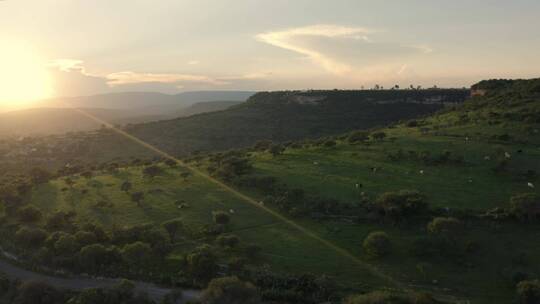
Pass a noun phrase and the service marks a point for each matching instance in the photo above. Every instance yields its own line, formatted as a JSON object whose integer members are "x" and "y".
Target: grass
{"x": 334, "y": 172}
{"x": 285, "y": 248}
{"x": 483, "y": 275}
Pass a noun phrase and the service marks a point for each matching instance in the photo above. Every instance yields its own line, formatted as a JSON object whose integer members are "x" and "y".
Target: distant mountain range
{"x": 56, "y": 116}
{"x": 146, "y": 102}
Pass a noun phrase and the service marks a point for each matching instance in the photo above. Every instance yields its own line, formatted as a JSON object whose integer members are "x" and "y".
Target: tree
{"x": 172, "y": 227}
{"x": 221, "y": 217}
{"x": 399, "y": 204}
{"x": 69, "y": 182}
{"x": 152, "y": 171}
{"x": 85, "y": 238}
{"x": 137, "y": 253}
{"x": 525, "y": 206}
{"x": 126, "y": 186}
{"x": 185, "y": 175}
{"x": 230, "y": 290}
{"x": 262, "y": 145}
{"x": 170, "y": 162}
{"x": 528, "y": 292}
{"x": 92, "y": 256}
{"x": 330, "y": 143}
{"x": 378, "y": 136}
{"x": 66, "y": 245}
{"x": 137, "y": 197}
{"x": 358, "y": 136}
{"x": 229, "y": 241}
{"x": 202, "y": 263}
{"x": 447, "y": 227}
{"x": 40, "y": 176}
{"x": 29, "y": 214}
{"x": 377, "y": 244}
{"x": 31, "y": 237}
{"x": 33, "y": 292}
{"x": 276, "y": 150}
{"x": 87, "y": 174}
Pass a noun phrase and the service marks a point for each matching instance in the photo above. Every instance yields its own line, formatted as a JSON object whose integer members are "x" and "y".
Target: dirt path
{"x": 155, "y": 292}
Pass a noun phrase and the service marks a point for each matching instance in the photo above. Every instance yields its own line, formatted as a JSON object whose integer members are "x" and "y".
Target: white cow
{"x": 530, "y": 185}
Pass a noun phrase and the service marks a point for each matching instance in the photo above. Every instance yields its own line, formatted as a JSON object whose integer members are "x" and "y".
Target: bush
{"x": 401, "y": 204}
{"x": 377, "y": 244}
{"x": 330, "y": 143}
{"x": 448, "y": 227}
{"x": 33, "y": 292}
{"x": 31, "y": 238}
{"x": 230, "y": 241}
{"x": 525, "y": 206}
{"x": 221, "y": 217}
{"x": 378, "y": 135}
{"x": 358, "y": 136}
{"x": 528, "y": 292}
{"x": 202, "y": 264}
{"x": 137, "y": 253}
{"x": 230, "y": 290}
{"x": 276, "y": 150}
{"x": 66, "y": 245}
{"x": 385, "y": 297}
{"x": 92, "y": 256}
{"x": 29, "y": 214}
{"x": 85, "y": 238}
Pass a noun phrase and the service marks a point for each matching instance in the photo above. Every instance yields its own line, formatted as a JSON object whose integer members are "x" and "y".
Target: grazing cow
{"x": 507, "y": 155}
{"x": 487, "y": 157}
{"x": 422, "y": 172}
{"x": 530, "y": 185}
{"x": 231, "y": 211}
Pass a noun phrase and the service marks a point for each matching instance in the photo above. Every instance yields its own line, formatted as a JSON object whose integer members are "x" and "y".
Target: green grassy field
{"x": 476, "y": 142}
{"x": 284, "y": 247}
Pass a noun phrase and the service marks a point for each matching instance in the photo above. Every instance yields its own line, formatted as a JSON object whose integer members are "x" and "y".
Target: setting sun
{"x": 23, "y": 76}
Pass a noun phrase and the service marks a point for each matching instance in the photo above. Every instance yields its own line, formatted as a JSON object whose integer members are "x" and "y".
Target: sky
{"x": 51, "y": 48}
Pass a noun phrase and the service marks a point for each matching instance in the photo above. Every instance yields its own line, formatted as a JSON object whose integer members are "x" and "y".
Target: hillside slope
{"x": 205, "y": 107}
{"x": 46, "y": 121}
{"x": 285, "y": 116}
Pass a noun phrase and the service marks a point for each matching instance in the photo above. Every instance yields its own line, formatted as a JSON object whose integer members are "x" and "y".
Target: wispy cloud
{"x": 129, "y": 77}
{"x": 67, "y": 65}
{"x": 287, "y": 39}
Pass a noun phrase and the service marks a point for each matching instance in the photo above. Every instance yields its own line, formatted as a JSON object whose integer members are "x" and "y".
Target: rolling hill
{"x": 57, "y": 116}
{"x": 147, "y": 103}
{"x": 285, "y": 116}
{"x": 205, "y": 107}
{"x": 311, "y": 204}
{"x": 330, "y": 187}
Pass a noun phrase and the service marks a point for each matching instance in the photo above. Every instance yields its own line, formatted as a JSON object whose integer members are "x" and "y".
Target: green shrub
{"x": 377, "y": 244}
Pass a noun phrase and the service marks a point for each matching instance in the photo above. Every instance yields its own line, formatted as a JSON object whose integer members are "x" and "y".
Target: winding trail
{"x": 75, "y": 283}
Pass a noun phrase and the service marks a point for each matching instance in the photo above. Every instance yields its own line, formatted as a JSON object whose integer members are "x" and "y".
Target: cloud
{"x": 355, "y": 54}
{"x": 288, "y": 39}
{"x": 193, "y": 62}
{"x": 67, "y": 65}
{"x": 71, "y": 78}
{"x": 129, "y": 77}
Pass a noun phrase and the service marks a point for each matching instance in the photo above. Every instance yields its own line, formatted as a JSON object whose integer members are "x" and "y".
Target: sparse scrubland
{"x": 433, "y": 208}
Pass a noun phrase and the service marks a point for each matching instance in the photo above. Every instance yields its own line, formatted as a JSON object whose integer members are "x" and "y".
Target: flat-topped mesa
{"x": 321, "y": 97}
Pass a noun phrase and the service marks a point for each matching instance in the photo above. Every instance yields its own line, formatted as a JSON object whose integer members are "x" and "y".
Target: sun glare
{"x": 23, "y": 76}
